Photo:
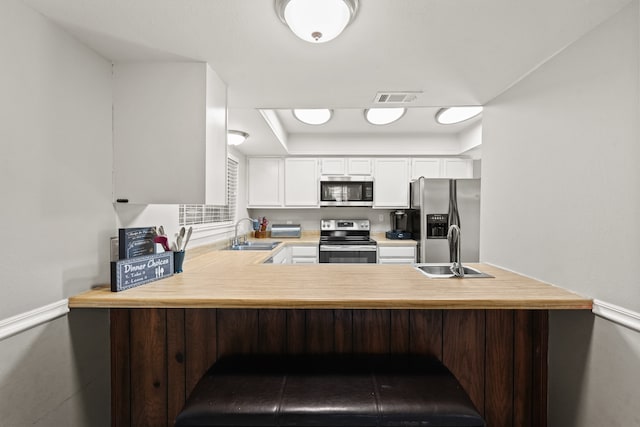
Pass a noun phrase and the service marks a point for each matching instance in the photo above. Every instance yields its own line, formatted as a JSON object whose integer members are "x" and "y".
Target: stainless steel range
{"x": 347, "y": 241}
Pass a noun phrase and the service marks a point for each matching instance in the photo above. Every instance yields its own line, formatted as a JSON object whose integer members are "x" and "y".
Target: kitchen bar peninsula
{"x": 491, "y": 333}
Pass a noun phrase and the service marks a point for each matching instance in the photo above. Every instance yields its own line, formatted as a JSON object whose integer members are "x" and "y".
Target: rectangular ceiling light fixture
{"x": 396, "y": 97}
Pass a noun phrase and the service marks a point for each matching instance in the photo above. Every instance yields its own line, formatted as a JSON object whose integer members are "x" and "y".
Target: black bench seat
{"x": 328, "y": 391}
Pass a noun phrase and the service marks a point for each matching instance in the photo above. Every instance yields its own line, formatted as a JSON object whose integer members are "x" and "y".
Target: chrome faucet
{"x": 456, "y": 266}
{"x": 236, "y": 241}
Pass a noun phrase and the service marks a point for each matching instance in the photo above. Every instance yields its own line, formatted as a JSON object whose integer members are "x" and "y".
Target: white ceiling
{"x": 455, "y": 52}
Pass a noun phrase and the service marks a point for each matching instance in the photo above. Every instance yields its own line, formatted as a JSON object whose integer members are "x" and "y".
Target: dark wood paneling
{"x": 371, "y": 329}
{"x": 463, "y": 350}
{"x": 200, "y": 344}
{"x": 273, "y": 331}
{"x": 296, "y": 331}
{"x": 540, "y": 367}
{"x": 238, "y": 331}
{"x": 399, "y": 332}
{"x": 425, "y": 328}
{"x": 523, "y": 369}
{"x": 120, "y": 368}
{"x": 499, "y": 368}
{"x": 499, "y": 356}
{"x": 176, "y": 372}
{"x": 320, "y": 331}
{"x": 343, "y": 327}
{"x": 148, "y": 367}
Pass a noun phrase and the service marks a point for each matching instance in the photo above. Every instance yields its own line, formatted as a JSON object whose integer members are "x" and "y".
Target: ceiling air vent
{"x": 395, "y": 97}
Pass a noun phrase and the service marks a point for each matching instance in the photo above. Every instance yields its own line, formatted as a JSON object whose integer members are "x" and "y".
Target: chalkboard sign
{"x": 129, "y": 273}
{"x": 135, "y": 242}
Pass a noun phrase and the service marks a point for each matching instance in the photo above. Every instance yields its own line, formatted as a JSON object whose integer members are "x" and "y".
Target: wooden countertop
{"x": 230, "y": 279}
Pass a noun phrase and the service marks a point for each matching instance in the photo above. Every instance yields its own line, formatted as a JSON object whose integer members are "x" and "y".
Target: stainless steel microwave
{"x": 346, "y": 191}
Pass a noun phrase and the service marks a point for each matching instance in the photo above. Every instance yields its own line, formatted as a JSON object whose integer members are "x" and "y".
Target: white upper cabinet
{"x": 265, "y": 182}
{"x": 301, "y": 183}
{"x": 345, "y": 166}
{"x": 441, "y": 168}
{"x": 391, "y": 183}
{"x": 359, "y": 166}
{"x": 169, "y": 133}
{"x": 332, "y": 166}
{"x": 429, "y": 168}
{"x": 457, "y": 168}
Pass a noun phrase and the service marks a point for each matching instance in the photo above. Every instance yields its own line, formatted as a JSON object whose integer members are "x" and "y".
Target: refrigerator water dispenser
{"x": 437, "y": 226}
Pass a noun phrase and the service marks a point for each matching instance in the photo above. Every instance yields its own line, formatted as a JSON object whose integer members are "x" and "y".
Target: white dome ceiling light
{"x": 236, "y": 137}
{"x": 313, "y": 116}
{"x": 384, "y": 116}
{"x": 316, "y": 21}
{"x": 453, "y": 115}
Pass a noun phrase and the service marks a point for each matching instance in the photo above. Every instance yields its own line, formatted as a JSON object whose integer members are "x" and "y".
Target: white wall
{"x": 56, "y": 216}
{"x": 367, "y": 145}
{"x": 309, "y": 219}
{"x": 561, "y": 186}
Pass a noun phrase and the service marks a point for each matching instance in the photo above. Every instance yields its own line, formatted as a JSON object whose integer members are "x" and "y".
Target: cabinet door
{"x": 265, "y": 181}
{"x": 457, "y": 168}
{"x": 429, "y": 168}
{"x": 304, "y": 260}
{"x": 391, "y": 183}
{"x": 359, "y": 167}
{"x": 332, "y": 166}
{"x": 301, "y": 183}
{"x": 216, "y": 140}
{"x": 397, "y": 254}
{"x": 397, "y": 251}
{"x": 282, "y": 256}
{"x": 165, "y": 147}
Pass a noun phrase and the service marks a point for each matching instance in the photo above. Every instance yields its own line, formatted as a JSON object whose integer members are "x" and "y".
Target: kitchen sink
{"x": 253, "y": 246}
{"x": 443, "y": 271}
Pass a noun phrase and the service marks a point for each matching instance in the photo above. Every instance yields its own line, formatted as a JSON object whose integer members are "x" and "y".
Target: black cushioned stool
{"x": 328, "y": 391}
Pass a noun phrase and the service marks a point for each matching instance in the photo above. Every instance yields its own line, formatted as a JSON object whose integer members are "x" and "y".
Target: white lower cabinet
{"x": 304, "y": 254}
{"x": 397, "y": 254}
{"x": 282, "y": 256}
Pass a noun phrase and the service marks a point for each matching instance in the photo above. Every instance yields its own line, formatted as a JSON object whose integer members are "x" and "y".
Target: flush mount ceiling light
{"x": 316, "y": 21}
{"x": 452, "y": 115}
{"x": 383, "y": 116}
{"x": 236, "y": 137}
{"x": 313, "y": 116}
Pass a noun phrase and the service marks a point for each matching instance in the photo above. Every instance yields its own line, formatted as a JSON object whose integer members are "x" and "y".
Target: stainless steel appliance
{"x": 436, "y": 204}
{"x": 346, "y": 191}
{"x": 399, "y": 222}
{"x": 286, "y": 230}
{"x": 347, "y": 241}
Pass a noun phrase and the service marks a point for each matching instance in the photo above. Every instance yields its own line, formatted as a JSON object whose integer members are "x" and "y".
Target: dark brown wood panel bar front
{"x": 499, "y": 356}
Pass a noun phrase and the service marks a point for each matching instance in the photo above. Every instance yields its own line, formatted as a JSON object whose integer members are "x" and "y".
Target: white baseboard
{"x": 617, "y": 314}
{"x": 23, "y": 321}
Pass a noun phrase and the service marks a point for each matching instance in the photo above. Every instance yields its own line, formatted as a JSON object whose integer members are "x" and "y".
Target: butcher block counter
{"x": 239, "y": 279}
{"x": 492, "y": 333}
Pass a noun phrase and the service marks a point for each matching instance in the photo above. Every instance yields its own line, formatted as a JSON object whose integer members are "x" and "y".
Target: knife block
{"x": 261, "y": 234}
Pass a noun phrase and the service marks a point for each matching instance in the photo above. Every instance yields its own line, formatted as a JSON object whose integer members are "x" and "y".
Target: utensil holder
{"x": 178, "y": 259}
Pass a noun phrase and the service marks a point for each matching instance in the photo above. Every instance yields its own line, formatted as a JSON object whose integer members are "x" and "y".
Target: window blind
{"x": 212, "y": 214}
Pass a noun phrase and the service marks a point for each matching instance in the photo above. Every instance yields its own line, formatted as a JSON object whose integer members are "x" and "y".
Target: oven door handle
{"x": 348, "y": 248}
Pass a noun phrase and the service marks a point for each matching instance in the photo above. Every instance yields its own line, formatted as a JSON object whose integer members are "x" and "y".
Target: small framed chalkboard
{"x": 135, "y": 242}
{"x": 129, "y": 273}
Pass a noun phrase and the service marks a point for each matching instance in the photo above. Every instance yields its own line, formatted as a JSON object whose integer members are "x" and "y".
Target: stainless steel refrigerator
{"x": 436, "y": 204}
